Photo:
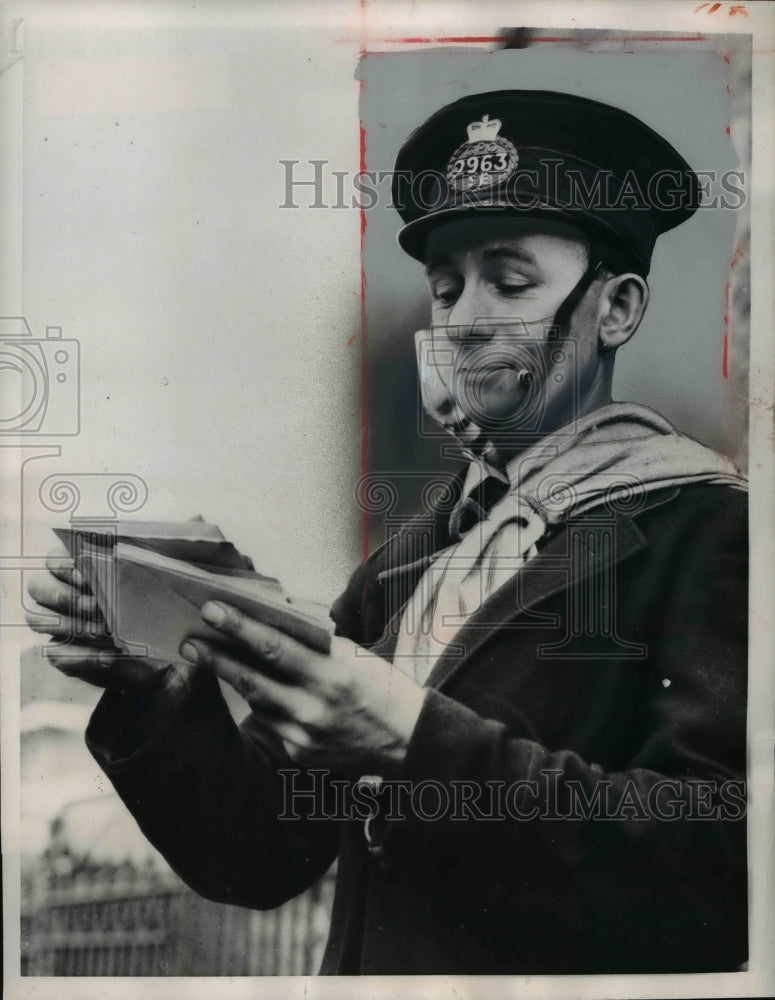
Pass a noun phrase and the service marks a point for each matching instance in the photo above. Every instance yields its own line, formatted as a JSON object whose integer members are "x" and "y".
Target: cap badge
{"x": 485, "y": 160}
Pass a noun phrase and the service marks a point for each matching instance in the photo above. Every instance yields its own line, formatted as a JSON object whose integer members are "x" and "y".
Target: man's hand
{"x": 354, "y": 714}
{"x": 83, "y": 647}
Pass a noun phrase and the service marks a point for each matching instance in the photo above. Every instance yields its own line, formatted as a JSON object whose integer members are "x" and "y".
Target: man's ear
{"x": 623, "y": 303}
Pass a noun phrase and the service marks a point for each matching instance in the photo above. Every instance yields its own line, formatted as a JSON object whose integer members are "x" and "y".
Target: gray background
{"x": 213, "y": 325}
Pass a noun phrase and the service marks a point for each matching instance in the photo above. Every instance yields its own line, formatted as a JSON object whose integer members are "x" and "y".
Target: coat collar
{"x": 601, "y": 539}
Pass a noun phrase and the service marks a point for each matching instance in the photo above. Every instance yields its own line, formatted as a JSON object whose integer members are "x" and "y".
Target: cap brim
{"x": 413, "y": 238}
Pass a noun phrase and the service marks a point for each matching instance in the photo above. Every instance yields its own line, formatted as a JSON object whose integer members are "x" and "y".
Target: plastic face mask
{"x": 492, "y": 381}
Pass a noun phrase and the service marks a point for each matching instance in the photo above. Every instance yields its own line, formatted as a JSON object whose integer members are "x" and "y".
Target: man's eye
{"x": 511, "y": 290}
{"x": 445, "y": 295}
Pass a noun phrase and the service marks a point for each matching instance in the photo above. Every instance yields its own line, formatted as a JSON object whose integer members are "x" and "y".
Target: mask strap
{"x": 576, "y": 294}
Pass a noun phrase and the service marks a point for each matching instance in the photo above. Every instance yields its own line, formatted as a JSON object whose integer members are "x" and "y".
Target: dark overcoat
{"x": 598, "y": 699}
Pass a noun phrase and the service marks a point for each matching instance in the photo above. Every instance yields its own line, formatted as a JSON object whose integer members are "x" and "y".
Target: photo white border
{"x": 361, "y": 24}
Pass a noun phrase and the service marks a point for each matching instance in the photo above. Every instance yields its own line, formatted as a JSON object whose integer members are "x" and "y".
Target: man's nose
{"x": 469, "y": 318}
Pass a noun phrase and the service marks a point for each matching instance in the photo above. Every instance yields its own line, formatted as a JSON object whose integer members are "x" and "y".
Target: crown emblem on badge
{"x": 484, "y": 130}
{"x": 484, "y": 161}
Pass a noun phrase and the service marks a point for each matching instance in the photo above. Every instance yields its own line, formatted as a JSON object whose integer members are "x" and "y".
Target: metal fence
{"x": 123, "y": 920}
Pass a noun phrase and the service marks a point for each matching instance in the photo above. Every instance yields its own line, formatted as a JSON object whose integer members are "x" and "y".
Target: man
{"x": 557, "y": 653}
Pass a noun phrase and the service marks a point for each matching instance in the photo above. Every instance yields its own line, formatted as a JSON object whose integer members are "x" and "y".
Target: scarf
{"x": 617, "y": 453}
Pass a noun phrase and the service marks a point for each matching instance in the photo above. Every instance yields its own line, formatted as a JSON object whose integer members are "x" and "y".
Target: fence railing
{"x": 124, "y": 920}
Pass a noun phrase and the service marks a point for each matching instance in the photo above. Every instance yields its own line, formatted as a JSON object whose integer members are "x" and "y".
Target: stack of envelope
{"x": 150, "y": 580}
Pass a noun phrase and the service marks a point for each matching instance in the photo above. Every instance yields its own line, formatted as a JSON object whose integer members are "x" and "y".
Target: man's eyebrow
{"x": 494, "y": 253}
{"x": 438, "y": 260}
{"x": 510, "y": 252}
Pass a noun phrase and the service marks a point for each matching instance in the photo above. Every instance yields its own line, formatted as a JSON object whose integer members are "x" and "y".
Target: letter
{"x": 701, "y": 800}
{"x": 582, "y": 806}
{"x": 316, "y": 183}
{"x": 671, "y": 810}
{"x": 550, "y": 810}
{"x": 365, "y": 189}
{"x": 465, "y": 801}
{"x": 293, "y": 795}
{"x": 512, "y": 795}
{"x": 581, "y": 196}
{"x": 336, "y": 794}
{"x": 496, "y": 787}
{"x": 630, "y": 805}
{"x": 737, "y": 191}
{"x": 395, "y": 793}
{"x": 666, "y": 199}
{"x": 733, "y": 799}
{"x": 340, "y": 176}
{"x": 706, "y": 178}
{"x": 629, "y": 194}
{"x": 431, "y": 183}
{"x": 401, "y": 180}
{"x": 364, "y": 803}
{"x": 524, "y": 200}
{"x": 551, "y": 171}
{"x": 443, "y": 800}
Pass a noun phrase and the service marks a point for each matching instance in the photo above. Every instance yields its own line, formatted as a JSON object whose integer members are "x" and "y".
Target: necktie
{"x": 476, "y": 506}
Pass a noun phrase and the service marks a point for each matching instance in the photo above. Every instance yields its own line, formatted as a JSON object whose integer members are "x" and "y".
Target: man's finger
{"x": 91, "y": 617}
{"x": 102, "y": 668}
{"x": 289, "y": 736}
{"x": 288, "y": 658}
{"x": 295, "y": 741}
{"x": 294, "y": 737}
{"x": 259, "y": 690}
{"x": 105, "y": 668}
{"x": 52, "y": 593}
{"x": 60, "y": 563}
{"x": 65, "y": 627}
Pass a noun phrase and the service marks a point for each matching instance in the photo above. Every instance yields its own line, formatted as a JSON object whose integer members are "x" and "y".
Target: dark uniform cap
{"x": 535, "y": 152}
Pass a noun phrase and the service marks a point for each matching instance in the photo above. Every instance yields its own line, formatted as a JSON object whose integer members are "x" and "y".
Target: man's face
{"x": 503, "y": 370}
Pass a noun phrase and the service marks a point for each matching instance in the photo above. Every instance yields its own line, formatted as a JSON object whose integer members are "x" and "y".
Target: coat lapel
{"x": 409, "y": 553}
{"x": 584, "y": 547}
{"x": 576, "y": 553}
